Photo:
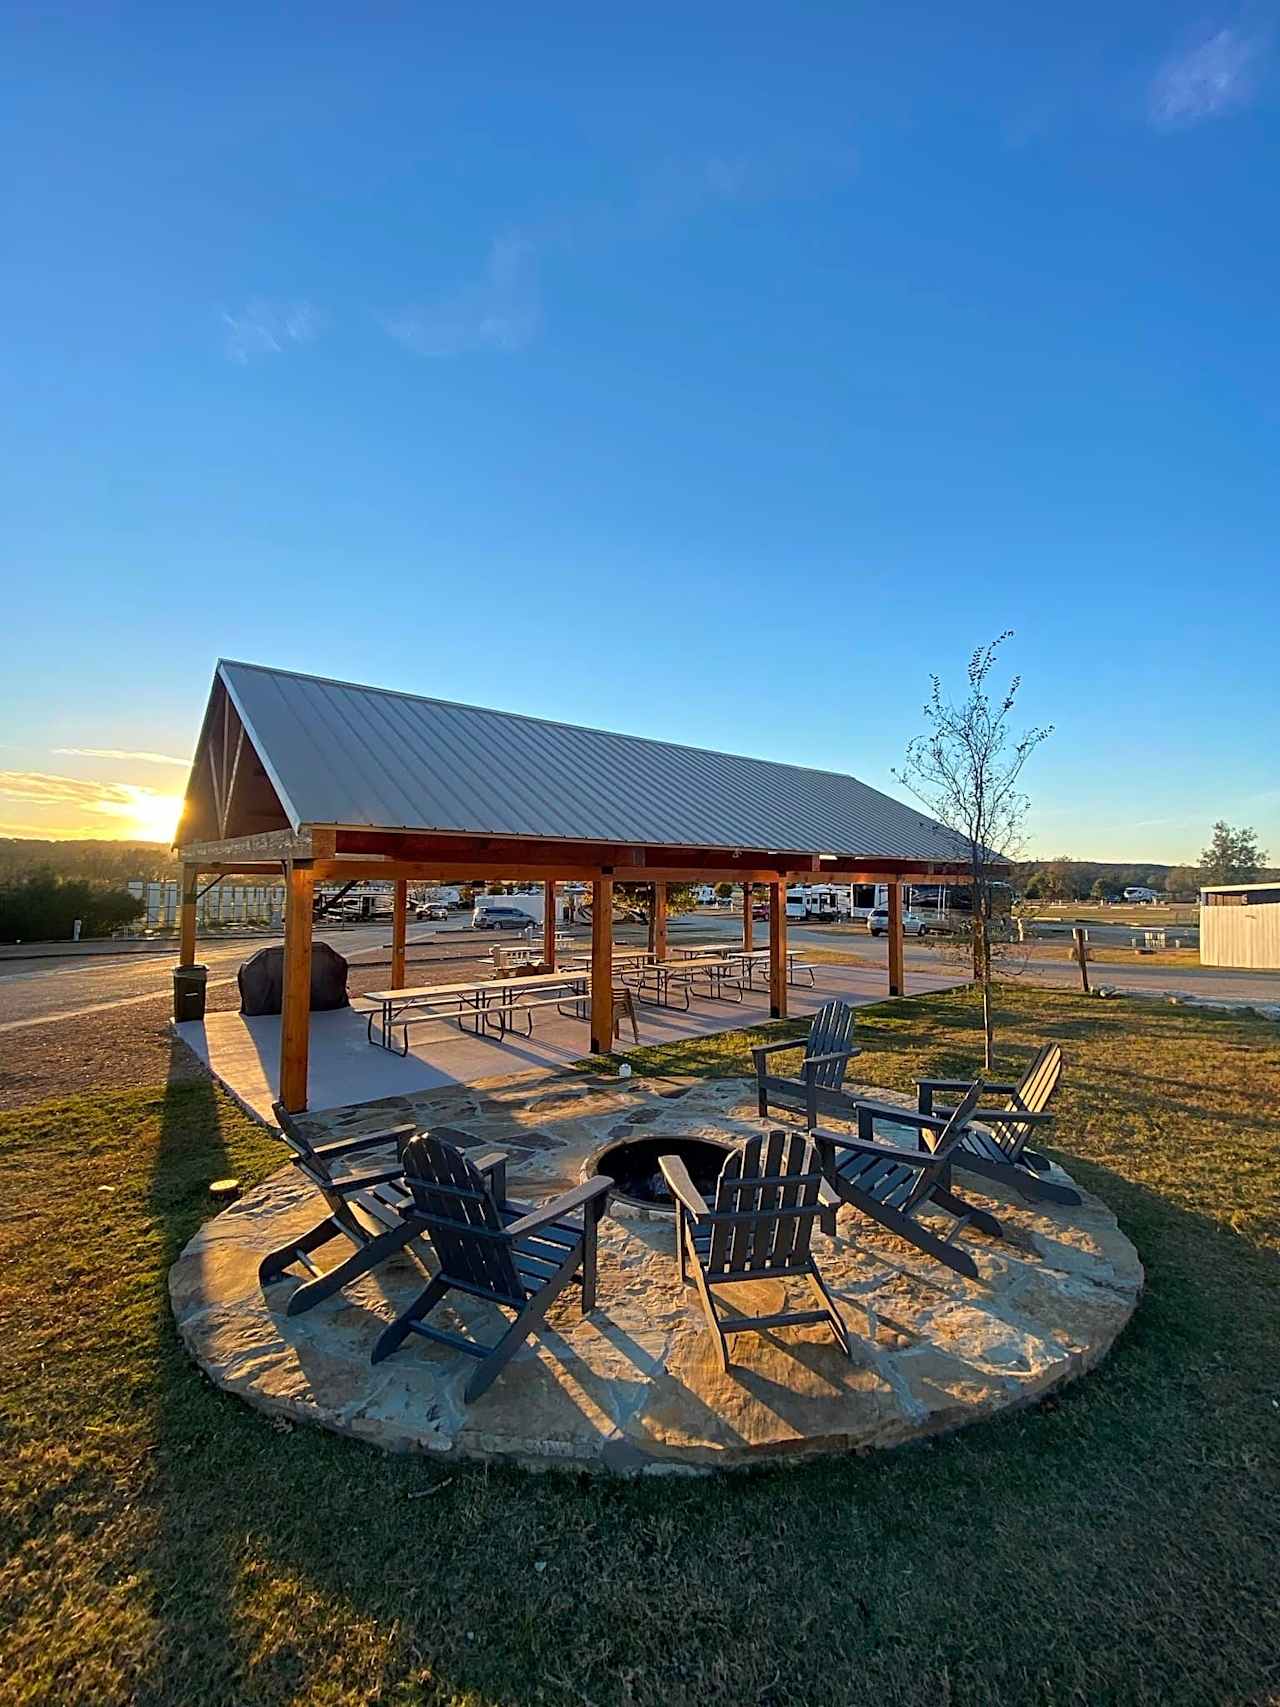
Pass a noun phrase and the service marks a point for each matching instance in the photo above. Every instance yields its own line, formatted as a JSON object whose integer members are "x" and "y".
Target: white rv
{"x": 821, "y": 901}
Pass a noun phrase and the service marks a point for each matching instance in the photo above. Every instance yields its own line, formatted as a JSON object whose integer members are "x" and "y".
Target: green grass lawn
{"x": 161, "y": 1543}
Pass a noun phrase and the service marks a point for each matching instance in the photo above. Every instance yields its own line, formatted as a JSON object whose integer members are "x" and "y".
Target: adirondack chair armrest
{"x": 396, "y": 1135}
{"x": 599, "y": 1186}
{"x": 682, "y": 1187}
{"x": 813, "y": 1062}
{"x": 493, "y": 1165}
{"x": 488, "y": 1160}
{"x": 871, "y": 1147}
{"x": 348, "y": 1183}
{"x": 1013, "y": 1116}
{"x": 893, "y": 1111}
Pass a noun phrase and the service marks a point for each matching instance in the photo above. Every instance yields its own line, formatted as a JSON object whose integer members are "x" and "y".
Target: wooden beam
{"x": 399, "y": 920}
{"x": 748, "y": 923}
{"x": 187, "y": 915}
{"x": 897, "y": 973}
{"x": 778, "y": 950}
{"x": 295, "y": 1017}
{"x": 549, "y": 924}
{"x": 658, "y": 922}
{"x": 602, "y": 966}
{"x": 268, "y": 844}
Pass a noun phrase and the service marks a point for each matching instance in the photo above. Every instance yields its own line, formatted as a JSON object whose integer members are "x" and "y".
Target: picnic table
{"x": 621, "y": 957}
{"x": 749, "y": 959}
{"x": 484, "y": 1004}
{"x": 653, "y": 981}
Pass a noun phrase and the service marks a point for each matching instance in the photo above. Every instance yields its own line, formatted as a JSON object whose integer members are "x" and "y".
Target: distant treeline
{"x": 1101, "y": 880}
{"x": 97, "y": 862}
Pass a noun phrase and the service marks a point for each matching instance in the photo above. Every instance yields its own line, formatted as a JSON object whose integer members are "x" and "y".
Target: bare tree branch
{"x": 965, "y": 769}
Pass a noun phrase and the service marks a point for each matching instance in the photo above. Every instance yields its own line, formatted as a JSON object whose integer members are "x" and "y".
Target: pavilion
{"x": 328, "y": 781}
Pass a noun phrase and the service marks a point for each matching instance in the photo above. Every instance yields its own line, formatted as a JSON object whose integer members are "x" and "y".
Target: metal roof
{"x": 342, "y": 754}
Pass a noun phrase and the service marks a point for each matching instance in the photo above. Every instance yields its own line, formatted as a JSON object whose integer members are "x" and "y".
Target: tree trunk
{"x": 982, "y": 967}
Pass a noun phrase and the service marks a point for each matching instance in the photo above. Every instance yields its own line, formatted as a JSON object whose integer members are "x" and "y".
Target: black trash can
{"x": 188, "y": 991}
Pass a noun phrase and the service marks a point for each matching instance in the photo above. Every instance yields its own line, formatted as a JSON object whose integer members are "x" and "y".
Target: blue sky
{"x": 710, "y": 372}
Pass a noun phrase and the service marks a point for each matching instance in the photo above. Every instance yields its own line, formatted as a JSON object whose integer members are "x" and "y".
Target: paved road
{"x": 40, "y": 990}
{"x": 34, "y": 992}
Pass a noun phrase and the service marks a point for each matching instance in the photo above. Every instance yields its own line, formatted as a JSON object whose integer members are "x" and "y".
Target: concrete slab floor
{"x": 244, "y": 1053}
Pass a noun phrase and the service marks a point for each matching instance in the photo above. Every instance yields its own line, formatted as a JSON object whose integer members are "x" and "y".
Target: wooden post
{"x": 778, "y": 949}
{"x": 295, "y": 1017}
{"x": 658, "y": 922}
{"x": 549, "y": 924}
{"x": 897, "y": 974}
{"x": 748, "y": 923}
{"x": 1081, "y": 936}
{"x": 399, "y": 920}
{"x": 601, "y": 965}
{"x": 187, "y": 916}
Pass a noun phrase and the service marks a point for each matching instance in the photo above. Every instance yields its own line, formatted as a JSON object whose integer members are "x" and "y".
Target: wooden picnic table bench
{"x": 488, "y": 1004}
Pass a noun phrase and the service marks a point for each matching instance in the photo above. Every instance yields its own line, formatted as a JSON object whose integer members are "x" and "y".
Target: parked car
{"x": 913, "y": 924}
{"x": 759, "y": 909}
{"x": 494, "y": 918}
{"x": 432, "y": 910}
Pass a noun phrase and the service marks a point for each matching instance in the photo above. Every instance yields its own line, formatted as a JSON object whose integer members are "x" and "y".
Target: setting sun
{"x": 149, "y": 816}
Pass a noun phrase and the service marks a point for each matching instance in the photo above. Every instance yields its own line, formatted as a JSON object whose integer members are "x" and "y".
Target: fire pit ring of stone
{"x": 632, "y": 1163}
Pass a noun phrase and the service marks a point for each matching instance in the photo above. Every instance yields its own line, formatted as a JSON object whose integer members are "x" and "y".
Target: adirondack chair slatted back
{"x": 304, "y": 1155}
{"x": 1034, "y": 1091}
{"x": 940, "y": 1145}
{"x": 466, "y": 1230}
{"x": 766, "y": 1203}
{"x": 831, "y": 1030}
{"x": 1039, "y": 1081}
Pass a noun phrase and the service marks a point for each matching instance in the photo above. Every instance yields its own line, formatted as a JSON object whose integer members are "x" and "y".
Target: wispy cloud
{"x": 1218, "y": 75}
{"x": 690, "y": 187}
{"x": 269, "y": 328}
{"x": 116, "y": 799}
{"x": 119, "y": 753}
{"x": 499, "y": 311}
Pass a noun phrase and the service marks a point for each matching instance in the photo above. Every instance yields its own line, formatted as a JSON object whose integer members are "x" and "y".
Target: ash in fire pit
{"x": 633, "y": 1165}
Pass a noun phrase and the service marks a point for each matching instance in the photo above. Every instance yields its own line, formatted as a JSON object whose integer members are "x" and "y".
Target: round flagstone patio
{"x": 636, "y": 1386}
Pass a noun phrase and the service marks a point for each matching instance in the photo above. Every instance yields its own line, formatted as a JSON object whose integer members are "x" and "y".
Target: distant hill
{"x": 95, "y": 861}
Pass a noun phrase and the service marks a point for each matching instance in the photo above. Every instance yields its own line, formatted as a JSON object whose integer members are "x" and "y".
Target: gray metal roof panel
{"x": 344, "y": 754}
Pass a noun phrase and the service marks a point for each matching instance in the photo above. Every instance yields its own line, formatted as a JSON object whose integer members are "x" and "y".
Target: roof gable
{"x": 339, "y": 753}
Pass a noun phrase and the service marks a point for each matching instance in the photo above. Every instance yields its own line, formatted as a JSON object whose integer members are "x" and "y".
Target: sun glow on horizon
{"x": 149, "y": 816}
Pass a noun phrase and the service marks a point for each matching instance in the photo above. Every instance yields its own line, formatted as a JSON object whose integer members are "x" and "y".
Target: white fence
{"x": 223, "y": 904}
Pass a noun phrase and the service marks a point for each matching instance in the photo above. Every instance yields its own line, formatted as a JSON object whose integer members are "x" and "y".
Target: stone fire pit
{"x": 635, "y": 1387}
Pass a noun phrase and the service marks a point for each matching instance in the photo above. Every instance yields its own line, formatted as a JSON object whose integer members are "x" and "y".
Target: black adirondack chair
{"x": 363, "y": 1208}
{"x": 1001, "y": 1153}
{"x": 827, "y": 1053}
{"x": 895, "y": 1185}
{"x": 767, "y": 1198}
{"x": 492, "y": 1248}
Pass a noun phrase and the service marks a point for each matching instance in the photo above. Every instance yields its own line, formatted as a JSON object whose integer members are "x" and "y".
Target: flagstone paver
{"x": 635, "y": 1387}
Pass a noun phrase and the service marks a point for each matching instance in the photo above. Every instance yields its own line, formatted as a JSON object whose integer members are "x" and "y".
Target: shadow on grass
{"x": 1097, "y": 1546}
